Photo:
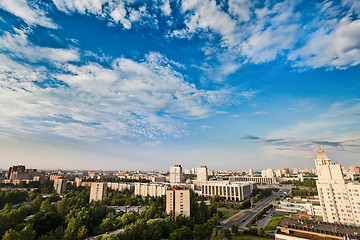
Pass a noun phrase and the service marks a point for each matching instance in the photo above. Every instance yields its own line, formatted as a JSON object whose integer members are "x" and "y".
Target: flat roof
{"x": 316, "y": 227}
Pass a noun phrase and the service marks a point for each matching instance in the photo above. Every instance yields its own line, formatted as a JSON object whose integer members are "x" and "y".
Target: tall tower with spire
{"x": 340, "y": 200}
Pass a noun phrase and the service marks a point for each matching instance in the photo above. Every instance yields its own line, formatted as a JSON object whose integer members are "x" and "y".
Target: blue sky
{"x": 113, "y": 84}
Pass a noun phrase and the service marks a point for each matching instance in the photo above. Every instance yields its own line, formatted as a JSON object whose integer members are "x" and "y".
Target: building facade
{"x": 202, "y": 174}
{"x": 150, "y": 189}
{"x": 98, "y": 191}
{"x": 230, "y": 191}
{"x": 262, "y": 180}
{"x": 178, "y": 202}
{"x": 175, "y": 174}
{"x": 60, "y": 185}
{"x": 339, "y": 200}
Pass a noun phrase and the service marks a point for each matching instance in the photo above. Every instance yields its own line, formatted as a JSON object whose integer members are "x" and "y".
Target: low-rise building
{"x": 237, "y": 191}
{"x": 301, "y": 229}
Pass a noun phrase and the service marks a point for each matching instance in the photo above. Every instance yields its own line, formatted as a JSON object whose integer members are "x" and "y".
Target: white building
{"x": 175, "y": 174}
{"x": 178, "y": 202}
{"x": 60, "y": 185}
{"x": 309, "y": 206}
{"x": 230, "y": 191}
{"x": 340, "y": 200}
{"x": 98, "y": 191}
{"x": 202, "y": 174}
{"x": 150, "y": 189}
{"x": 268, "y": 173}
{"x": 120, "y": 186}
{"x": 251, "y": 172}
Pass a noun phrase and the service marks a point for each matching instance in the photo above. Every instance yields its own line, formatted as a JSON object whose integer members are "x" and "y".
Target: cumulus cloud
{"x": 128, "y": 100}
{"x": 30, "y": 14}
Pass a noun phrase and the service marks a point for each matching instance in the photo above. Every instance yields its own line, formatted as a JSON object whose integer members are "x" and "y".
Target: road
{"x": 243, "y": 217}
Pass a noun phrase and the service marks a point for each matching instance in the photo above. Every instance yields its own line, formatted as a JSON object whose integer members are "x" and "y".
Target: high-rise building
{"x": 202, "y": 174}
{"x": 178, "y": 202}
{"x": 175, "y": 174}
{"x": 60, "y": 185}
{"x": 98, "y": 191}
{"x": 251, "y": 172}
{"x": 340, "y": 200}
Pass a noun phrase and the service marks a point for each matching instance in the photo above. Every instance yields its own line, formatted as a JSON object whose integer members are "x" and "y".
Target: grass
{"x": 228, "y": 214}
{"x": 273, "y": 222}
{"x": 242, "y": 236}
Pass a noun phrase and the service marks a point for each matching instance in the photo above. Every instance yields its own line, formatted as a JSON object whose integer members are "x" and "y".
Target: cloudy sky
{"x": 234, "y": 84}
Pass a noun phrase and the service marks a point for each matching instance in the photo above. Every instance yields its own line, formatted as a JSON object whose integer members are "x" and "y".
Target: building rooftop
{"x": 311, "y": 229}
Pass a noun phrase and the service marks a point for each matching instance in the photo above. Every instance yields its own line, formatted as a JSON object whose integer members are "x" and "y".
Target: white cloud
{"x": 31, "y": 15}
{"x": 128, "y": 100}
{"x": 339, "y": 48}
{"x": 17, "y": 45}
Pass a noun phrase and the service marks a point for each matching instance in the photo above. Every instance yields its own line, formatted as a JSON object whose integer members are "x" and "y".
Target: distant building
{"x": 175, "y": 174}
{"x": 178, "y": 202}
{"x": 339, "y": 199}
{"x": 150, "y": 189}
{"x": 268, "y": 173}
{"x": 202, "y": 174}
{"x": 354, "y": 169}
{"x": 120, "y": 186}
{"x": 230, "y": 191}
{"x": 98, "y": 191}
{"x": 158, "y": 179}
{"x": 301, "y": 229}
{"x": 60, "y": 185}
{"x": 263, "y": 180}
{"x": 251, "y": 172}
{"x": 278, "y": 173}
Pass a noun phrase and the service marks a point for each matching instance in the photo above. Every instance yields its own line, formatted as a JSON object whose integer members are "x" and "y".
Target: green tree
{"x": 235, "y": 228}
{"x": 261, "y": 232}
{"x": 216, "y": 234}
{"x": 227, "y": 233}
{"x": 181, "y": 233}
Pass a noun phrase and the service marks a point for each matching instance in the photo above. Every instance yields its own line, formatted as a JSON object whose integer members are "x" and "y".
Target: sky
{"x": 232, "y": 84}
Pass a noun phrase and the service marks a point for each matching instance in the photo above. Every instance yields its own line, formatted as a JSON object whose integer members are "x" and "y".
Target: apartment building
{"x": 176, "y": 174}
{"x": 178, "y": 202}
{"x": 60, "y": 185}
{"x": 150, "y": 189}
{"x": 339, "y": 199}
{"x": 98, "y": 191}
{"x": 202, "y": 174}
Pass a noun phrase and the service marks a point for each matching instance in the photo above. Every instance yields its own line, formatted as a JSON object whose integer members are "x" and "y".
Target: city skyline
{"x": 146, "y": 85}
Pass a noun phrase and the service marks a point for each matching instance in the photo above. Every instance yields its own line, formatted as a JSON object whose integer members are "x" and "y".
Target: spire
{"x": 321, "y": 154}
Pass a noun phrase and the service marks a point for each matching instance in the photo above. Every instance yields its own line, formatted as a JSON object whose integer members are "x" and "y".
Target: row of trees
{"x": 73, "y": 217}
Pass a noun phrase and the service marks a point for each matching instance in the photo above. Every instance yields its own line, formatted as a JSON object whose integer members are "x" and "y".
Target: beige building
{"x": 98, "y": 191}
{"x": 150, "y": 189}
{"x": 202, "y": 174}
{"x": 230, "y": 191}
{"x": 178, "y": 202}
{"x": 339, "y": 199}
{"x": 60, "y": 185}
{"x": 262, "y": 180}
{"x": 120, "y": 186}
{"x": 175, "y": 174}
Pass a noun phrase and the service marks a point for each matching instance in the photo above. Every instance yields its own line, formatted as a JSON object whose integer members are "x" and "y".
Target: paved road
{"x": 243, "y": 217}
{"x": 264, "y": 221}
